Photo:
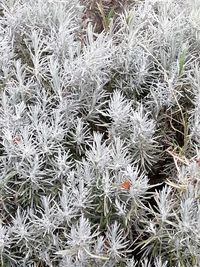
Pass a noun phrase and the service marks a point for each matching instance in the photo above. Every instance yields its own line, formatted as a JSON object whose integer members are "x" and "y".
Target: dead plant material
{"x": 99, "y": 12}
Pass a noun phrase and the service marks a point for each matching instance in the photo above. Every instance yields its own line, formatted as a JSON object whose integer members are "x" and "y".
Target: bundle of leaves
{"x": 99, "y": 133}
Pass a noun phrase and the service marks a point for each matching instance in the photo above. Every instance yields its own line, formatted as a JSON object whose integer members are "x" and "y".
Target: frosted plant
{"x": 131, "y": 263}
{"x": 120, "y": 156}
{"x": 67, "y": 211}
{"x": 79, "y": 240}
{"x": 116, "y": 242}
{"x": 99, "y": 154}
{"x": 135, "y": 127}
{"x": 175, "y": 222}
{"x": 138, "y": 183}
{"x": 142, "y": 138}
{"x": 157, "y": 262}
{"x": 118, "y": 112}
{"x": 88, "y": 120}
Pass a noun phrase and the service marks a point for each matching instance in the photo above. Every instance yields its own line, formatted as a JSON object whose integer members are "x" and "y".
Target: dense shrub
{"x": 100, "y": 133}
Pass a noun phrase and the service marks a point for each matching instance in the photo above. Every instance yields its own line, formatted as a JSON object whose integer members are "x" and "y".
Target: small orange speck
{"x": 17, "y": 139}
{"x": 126, "y": 184}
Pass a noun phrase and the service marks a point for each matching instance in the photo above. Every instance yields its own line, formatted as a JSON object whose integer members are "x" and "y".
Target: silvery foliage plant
{"x": 88, "y": 120}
